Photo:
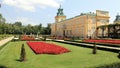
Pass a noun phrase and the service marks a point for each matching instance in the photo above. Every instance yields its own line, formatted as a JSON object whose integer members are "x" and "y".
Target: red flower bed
{"x": 46, "y": 48}
{"x": 104, "y": 41}
{"x": 27, "y": 38}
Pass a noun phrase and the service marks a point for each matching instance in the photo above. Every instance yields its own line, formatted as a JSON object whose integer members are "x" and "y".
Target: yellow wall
{"x": 81, "y": 25}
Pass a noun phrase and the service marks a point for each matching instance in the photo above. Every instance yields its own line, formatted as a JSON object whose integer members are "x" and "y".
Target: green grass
{"x": 79, "y": 57}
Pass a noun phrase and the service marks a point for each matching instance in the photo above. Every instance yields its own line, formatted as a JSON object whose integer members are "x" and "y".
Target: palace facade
{"x": 81, "y": 26}
{"x": 111, "y": 30}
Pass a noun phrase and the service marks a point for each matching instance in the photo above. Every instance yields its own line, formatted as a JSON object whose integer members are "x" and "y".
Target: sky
{"x": 35, "y": 12}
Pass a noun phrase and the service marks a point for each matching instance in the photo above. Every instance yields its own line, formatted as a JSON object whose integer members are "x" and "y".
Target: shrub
{"x": 44, "y": 38}
{"x": 94, "y": 49}
{"x": 119, "y": 55}
{"x": 23, "y": 54}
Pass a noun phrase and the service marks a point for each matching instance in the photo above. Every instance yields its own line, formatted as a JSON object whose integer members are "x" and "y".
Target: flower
{"x": 46, "y": 48}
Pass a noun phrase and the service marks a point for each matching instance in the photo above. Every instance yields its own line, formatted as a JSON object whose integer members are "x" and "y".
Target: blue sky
{"x": 43, "y": 11}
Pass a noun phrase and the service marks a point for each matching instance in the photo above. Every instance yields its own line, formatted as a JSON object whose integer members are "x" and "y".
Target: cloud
{"x": 25, "y": 21}
{"x": 61, "y": 0}
{"x": 30, "y": 5}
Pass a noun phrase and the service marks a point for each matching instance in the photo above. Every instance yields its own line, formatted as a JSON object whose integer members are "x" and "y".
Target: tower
{"x": 117, "y": 20}
{"x": 60, "y": 15}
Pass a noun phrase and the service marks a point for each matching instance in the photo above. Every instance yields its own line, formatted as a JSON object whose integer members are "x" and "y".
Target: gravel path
{"x": 2, "y": 42}
{"x": 110, "y": 48}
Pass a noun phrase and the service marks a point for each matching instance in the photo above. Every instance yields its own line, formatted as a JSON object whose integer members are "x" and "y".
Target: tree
{"x": 48, "y": 29}
{"x": 2, "y": 20}
{"x": 94, "y": 49}
{"x": 1, "y": 30}
{"x": 43, "y": 30}
{"x": 18, "y": 28}
{"x": 2, "y": 23}
{"x": 18, "y": 24}
{"x": 39, "y": 27}
{"x": 23, "y": 54}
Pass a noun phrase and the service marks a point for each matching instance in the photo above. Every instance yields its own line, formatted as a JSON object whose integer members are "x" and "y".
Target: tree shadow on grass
{"x": 18, "y": 60}
{"x": 2, "y": 66}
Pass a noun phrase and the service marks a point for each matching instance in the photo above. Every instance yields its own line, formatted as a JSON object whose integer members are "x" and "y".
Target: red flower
{"x": 104, "y": 41}
{"x": 27, "y": 38}
{"x": 46, "y": 48}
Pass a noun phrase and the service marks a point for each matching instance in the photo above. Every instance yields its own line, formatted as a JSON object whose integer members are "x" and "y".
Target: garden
{"x": 46, "y": 48}
{"x": 78, "y": 57}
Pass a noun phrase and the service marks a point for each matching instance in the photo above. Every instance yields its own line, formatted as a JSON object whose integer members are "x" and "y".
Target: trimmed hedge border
{"x": 81, "y": 45}
{"x": 103, "y": 44}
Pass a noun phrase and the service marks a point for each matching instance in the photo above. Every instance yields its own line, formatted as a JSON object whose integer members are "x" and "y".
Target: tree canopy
{"x": 18, "y": 28}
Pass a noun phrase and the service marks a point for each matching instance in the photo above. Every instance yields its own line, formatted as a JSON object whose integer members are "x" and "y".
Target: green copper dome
{"x": 117, "y": 18}
{"x": 60, "y": 12}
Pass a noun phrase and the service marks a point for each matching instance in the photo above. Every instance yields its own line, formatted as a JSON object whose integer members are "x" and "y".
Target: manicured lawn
{"x": 79, "y": 57}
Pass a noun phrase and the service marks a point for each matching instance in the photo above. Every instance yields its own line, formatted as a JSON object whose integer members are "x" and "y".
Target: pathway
{"x": 2, "y": 42}
{"x": 102, "y": 47}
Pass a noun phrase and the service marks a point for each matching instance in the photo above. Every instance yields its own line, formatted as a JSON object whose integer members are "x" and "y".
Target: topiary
{"x": 23, "y": 54}
{"x": 119, "y": 55}
{"x": 94, "y": 49}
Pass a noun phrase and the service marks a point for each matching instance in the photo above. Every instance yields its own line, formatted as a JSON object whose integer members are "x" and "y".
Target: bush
{"x": 119, "y": 55}
{"x": 23, "y": 54}
{"x": 94, "y": 49}
{"x": 44, "y": 38}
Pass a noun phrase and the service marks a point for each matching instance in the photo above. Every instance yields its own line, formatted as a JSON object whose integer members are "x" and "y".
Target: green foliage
{"x": 79, "y": 57}
{"x": 46, "y": 30}
{"x": 119, "y": 55}
{"x": 44, "y": 38}
{"x": 23, "y": 53}
{"x": 94, "y": 49}
{"x": 18, "y": 24}
{"x": 18, "y": 28}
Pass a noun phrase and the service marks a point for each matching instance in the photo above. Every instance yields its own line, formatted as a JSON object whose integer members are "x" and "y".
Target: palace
{"x": 81, "y": 26}
{"x": 111, "y": 30}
